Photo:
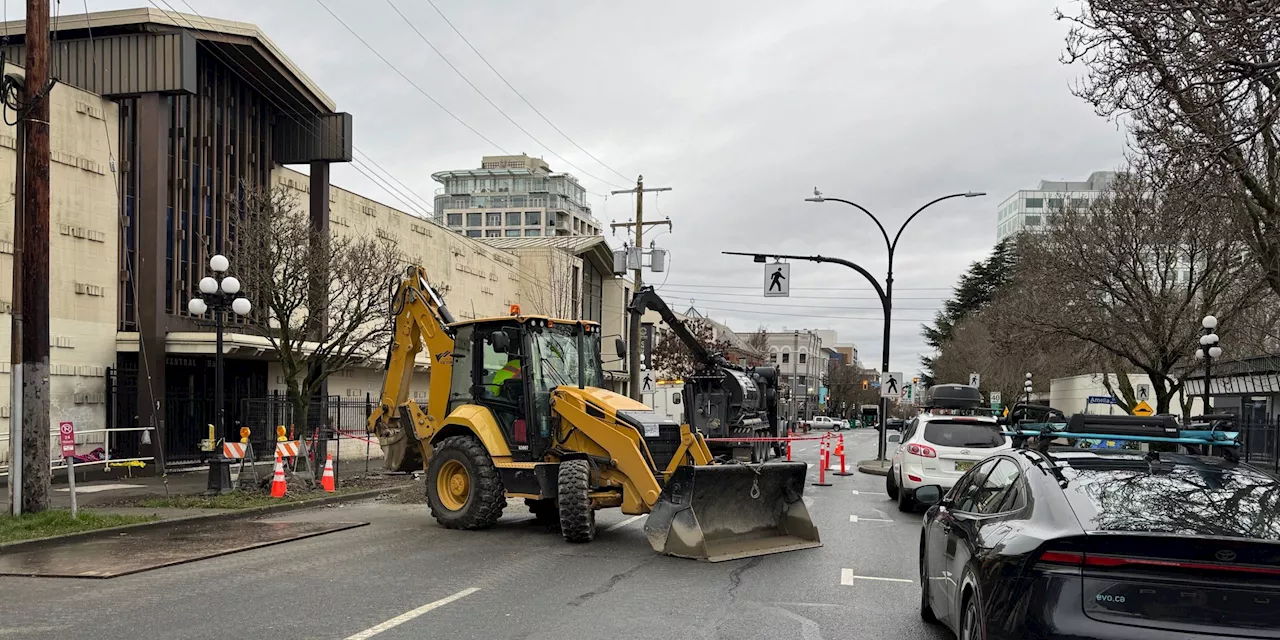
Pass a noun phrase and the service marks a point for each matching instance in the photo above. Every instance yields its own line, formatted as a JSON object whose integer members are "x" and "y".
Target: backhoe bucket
{"x": 730, "y": 511}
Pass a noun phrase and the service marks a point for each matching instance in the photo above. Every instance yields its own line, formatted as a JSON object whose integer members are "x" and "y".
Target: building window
{"x": 532, "y": 233}
{"x": 512, "y": 233}
{"x": 773, "y": 358}
{"x": 786, "y": 357}
{"x": 804, "y": 381}
{"x": 492, "y": 233}
{"x": 518, "y": 201}
{"x": 513, "y": 219}
{"x": 551, "y": 219}
{"x": 1035, "y": 203}
{"x": 1079, "y": 203}
{"x": 804, "y": 357}
{"x": 475, "y": 219}
{"x": 455, "y": 219}
{"x": 473, "y": 233}
{"x": 533, "y": 217}
{"x": 1033, "y": 221}
{"x": 1055, "y": 203}
{"x": 493, "y": 219}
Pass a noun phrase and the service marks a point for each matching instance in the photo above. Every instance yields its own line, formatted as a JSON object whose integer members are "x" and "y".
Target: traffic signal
{"x": 915, "y": 380}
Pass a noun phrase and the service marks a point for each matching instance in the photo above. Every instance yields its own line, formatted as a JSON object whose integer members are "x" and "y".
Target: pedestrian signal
{"x": 864, "y": 385}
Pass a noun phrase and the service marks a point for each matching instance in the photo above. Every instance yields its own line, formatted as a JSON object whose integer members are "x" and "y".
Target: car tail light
{"x": 922, "y": 450}
{"x": 914, "y": 478}
{"x": 1078, "y": 559}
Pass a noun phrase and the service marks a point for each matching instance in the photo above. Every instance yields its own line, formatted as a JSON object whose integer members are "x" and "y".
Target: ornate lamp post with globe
{"x": 219, "y": 293}
{"x": 1208, "y": 351}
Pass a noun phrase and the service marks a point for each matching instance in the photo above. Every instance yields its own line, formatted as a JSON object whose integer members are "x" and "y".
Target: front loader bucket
{"x": 730, "y": 511}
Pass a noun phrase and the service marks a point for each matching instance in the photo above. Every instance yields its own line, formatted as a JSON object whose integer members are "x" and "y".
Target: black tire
{"x": 970, "y": 620}
{"x": 577, "y": 518}
{"x": 485, "y": 498}
{"x": 545, "y": 512}
{"x": 890, "y": 487}
{"x": 926, "y": 609}
{"x": 906, "y": 500}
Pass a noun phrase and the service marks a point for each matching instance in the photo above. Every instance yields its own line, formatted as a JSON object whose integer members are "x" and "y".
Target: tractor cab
{"x": 510, "y": 366}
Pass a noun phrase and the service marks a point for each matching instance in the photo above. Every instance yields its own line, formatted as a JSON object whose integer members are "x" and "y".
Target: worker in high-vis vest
{"x": 509, "y": 371}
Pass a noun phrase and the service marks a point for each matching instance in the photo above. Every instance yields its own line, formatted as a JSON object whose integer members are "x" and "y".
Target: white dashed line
{"x": 624, "y": 523}
{"x": 855, "y": 492}
{"x": 857, "y": 519}
{"x": 409, "y": 615}
{"x": 847, "y": 578}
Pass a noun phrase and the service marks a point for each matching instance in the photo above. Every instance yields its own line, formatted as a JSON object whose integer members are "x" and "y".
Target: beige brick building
{"x": 83, "y": 239}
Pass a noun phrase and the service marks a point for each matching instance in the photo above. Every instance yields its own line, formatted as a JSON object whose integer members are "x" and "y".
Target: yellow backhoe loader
{"x": 515, "y": 410}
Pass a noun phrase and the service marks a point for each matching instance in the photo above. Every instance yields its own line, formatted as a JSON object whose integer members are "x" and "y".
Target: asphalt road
{"x": 405, "y": 577}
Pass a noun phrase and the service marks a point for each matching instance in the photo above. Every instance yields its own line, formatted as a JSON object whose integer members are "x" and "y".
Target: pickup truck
{"x": 826, "y": 422}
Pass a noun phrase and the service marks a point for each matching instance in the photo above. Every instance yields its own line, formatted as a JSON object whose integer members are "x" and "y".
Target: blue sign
{"x": 1102, "y": 400}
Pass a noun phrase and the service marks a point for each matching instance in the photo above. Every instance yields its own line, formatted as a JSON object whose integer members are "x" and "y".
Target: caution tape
{"x": 766, "y": 439}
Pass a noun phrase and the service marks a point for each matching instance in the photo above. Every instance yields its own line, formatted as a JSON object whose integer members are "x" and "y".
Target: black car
{"x": 1093, "y": 543}
{"x": 895, "y": 424}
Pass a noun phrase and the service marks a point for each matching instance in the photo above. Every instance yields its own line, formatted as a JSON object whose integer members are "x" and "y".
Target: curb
{"x": 874, "y": 467}
{"x": 252, "y": 512}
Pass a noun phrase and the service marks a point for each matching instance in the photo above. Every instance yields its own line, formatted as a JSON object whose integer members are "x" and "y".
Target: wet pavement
{"x": 127, "y": 552}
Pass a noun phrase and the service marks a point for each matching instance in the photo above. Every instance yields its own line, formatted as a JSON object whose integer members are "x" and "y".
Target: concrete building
{"x": 1071, "y": 394}
{"x": 802, "y": 368}
{"x": 513, "y": 197}
{"x": 1027, "y": 209}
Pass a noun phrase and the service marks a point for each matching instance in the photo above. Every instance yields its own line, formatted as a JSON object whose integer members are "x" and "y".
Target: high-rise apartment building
{"x": 513, "y": 197}
{"x": 1027, "y": 209}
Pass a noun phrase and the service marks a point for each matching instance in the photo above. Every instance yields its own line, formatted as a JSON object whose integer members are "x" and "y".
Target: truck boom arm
{"x": 647, "y": 298}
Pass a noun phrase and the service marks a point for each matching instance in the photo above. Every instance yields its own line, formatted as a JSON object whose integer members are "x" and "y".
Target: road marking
{"x": 624, "y": 523}
{"x": 857, "y": 519}
{"x": 777, "y": 604}
{"x": 409, "y": 615}
{"x": 847, "y": 578}
{"x": 855, "y": 492}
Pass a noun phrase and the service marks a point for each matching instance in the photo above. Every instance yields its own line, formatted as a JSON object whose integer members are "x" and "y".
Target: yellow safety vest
{"x": 507, "y": 372}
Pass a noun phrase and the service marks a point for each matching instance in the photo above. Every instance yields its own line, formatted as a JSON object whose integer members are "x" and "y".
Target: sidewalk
{"x": 100, "y": 495}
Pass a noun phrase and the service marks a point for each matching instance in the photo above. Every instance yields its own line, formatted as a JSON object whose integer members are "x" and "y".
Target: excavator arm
{"x": 421, "y": 321}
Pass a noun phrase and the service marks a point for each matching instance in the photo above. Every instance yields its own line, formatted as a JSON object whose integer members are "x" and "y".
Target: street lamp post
{"x": 1208, "y": 351}
{"x": 885, "y": 293}
{"x": 1026, "y": 407}
{"x": 218, "y": 293}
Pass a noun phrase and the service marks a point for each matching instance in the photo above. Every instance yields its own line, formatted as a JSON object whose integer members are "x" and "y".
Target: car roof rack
{"x": 1155, "y": 429}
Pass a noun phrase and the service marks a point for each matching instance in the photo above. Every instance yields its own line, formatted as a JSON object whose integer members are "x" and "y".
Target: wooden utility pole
{"x": 33, "y": 374}
{"x": 633, "y": 334}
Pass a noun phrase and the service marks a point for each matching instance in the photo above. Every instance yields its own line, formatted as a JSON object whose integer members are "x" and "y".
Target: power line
{"x": 408, "y": 80}
{"x": 311, "y": 129}
{"x": 805, "y": 315}
{"x": 491, "y": 102}
{"x": 730, "y": 286}
{"x": 517, "y": 92}
{"x": 678, "y": 289}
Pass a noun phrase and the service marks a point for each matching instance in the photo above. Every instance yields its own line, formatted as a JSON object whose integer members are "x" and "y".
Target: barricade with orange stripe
{"x": 234, "y": 450}
{"x": 289, "y": 448}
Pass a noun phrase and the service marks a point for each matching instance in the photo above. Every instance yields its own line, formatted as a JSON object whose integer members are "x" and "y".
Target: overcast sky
{"x": 741, "y": 107}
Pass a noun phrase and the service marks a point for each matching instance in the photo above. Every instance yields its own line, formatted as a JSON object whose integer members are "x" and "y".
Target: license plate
{"x": 964, "y": 466}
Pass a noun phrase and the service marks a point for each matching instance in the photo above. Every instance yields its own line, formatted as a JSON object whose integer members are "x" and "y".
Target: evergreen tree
{"x": 975, "y": 290}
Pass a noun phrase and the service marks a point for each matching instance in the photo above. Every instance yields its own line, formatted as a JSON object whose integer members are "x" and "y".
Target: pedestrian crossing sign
{"x": 777, "y": 280}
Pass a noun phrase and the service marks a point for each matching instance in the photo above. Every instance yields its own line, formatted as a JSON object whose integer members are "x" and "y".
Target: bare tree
{"x": 1131, "y": 277}
{"x": 673, "y": 358}
{"x": 1198, "y": 83}
{"x": 558, "y": 294}
{"x": 286, "y": 266}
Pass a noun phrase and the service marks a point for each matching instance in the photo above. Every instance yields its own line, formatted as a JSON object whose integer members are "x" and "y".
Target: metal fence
{"x": 1261, "y": 444}
{"x": 327, "y": 416}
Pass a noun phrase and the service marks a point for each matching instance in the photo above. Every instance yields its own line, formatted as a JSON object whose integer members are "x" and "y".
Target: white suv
{"x": 938, "y": 449}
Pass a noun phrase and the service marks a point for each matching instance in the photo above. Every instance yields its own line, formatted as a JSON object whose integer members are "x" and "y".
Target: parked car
{"x": 894, "y": 424}
{"x": 1074, "y": 543}
{"x": 937, "y": 450}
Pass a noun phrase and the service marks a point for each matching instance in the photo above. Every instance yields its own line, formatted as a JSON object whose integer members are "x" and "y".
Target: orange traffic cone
{"x": 327, "y": 480}
{"x": 278, "y": 485}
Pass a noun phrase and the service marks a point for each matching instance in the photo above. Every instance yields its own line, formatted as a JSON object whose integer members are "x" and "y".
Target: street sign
{"x": 908, "y": 393}
{"x": 777, "y": 280}
{"x": 1101, "y": 400}
{"x": 1143, "y": 409}
{"x": 995, "y": 398}
{"x": 67, "y": 438}
{"x": 891, "y": 384}
{"x": 975, "y": 380}
{"x": 1144, "y": 392}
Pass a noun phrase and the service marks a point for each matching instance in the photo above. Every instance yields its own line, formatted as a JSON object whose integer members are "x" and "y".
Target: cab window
{"x": 962, "y": 495}
{"x": 499, "y": 372}
{"x": 998, "y": 486}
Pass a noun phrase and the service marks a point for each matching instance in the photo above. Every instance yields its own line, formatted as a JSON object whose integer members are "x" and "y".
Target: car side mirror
{"x": 930, "y": 494}
{"x": 621, "y": 346}
{"x": 894, "y": 438}
{"x": 500, "y": 340}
